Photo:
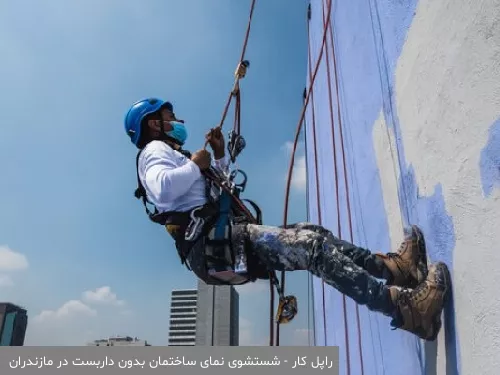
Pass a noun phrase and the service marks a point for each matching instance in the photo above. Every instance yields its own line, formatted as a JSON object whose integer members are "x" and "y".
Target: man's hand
{"x": 202, "y": 159}
{"x": 215, "y": 139}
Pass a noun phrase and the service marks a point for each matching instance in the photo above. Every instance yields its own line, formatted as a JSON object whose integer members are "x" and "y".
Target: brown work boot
{"x": 408, "y": 266}
{"x": 419, "y": 310}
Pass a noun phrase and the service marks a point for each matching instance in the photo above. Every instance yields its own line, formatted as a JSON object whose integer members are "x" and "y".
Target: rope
{"x": 315, "y": 149}
{"x": 339, "y": 225}
{"x": 360, "y": 347}
{"x": 236, "y": 93}
{"x": 299, "y": 126}
{"x": 326, "y": 25}
{"x": 240, "y": 71}
{"x": 383, "y": 71}
{"x": 361, "y": 231}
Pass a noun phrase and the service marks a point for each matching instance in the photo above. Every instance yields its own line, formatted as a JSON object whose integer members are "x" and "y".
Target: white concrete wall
{"x": 448, "y": 99}
{"x": 420, "y": 105}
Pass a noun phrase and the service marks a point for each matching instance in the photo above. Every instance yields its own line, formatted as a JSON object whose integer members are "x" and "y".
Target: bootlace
{"x": 398, "y": 251}
{"x": 419, "y": 290}
{"x": 404, "y": 298}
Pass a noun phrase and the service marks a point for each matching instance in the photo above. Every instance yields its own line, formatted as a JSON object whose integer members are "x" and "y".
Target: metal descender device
{"x": 235, "y": 145}
{"x": 287, "y": 306}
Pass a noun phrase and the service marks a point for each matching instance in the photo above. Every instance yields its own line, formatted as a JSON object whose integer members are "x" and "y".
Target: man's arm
{"x": 216, "y": 140}
{"x": 221, "y": 164}
{"x": 165, "y": 181}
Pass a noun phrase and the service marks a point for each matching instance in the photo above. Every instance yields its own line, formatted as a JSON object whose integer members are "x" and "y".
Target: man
{"x": 173, "y": 181}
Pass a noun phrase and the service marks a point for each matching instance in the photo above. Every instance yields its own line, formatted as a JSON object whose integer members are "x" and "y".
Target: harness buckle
{"x": 195, "y": 226}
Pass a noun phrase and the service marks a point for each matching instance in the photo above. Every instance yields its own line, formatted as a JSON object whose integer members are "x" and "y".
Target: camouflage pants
{"x": 351, "y": 270}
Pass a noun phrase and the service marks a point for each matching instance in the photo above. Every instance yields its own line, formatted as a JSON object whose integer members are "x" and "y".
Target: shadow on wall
{"x": 428, "y": 212}
{"x": 431, "y": 215}
{"x": 490, "y": 160}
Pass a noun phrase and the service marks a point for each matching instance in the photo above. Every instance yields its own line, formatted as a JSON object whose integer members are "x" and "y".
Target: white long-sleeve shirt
{"x": 172, "y": 181}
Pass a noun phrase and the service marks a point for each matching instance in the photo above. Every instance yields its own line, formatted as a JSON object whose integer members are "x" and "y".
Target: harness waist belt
{"x": 183, "y": 218}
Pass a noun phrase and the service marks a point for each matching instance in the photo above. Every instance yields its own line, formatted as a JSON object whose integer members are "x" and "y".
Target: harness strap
{"x": 140, "y": 192}
{"x": 224, "y": 205}
{"x": 175, "y": 222}
{"x": 218, "y": 241}
{"x": 257, "y": 209}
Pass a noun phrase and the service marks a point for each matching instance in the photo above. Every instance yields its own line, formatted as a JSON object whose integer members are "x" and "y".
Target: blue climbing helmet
{"x": 138, "y": 111}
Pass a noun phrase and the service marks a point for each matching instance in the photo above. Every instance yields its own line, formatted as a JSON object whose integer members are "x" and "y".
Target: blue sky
{"x": 77, "y": 249}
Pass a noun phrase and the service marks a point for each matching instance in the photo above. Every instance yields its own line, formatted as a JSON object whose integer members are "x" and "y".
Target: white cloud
{"x": 299, "y": 177}
{"x": 11, "y": 260}
{"x": 299, "y": 172}
{"x": 6, "y": 281}
{"x": 77, "y": 322}
{"x": 102, "y": 295}
{"x": 67, "y": 310}
{"x": 287, "y": 148}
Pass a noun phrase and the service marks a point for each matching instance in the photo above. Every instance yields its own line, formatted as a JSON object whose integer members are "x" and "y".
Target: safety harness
{"x": 213, "y": 220}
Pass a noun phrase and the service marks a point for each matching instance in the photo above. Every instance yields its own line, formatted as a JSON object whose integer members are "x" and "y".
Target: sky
{"x": 76, "y": 248}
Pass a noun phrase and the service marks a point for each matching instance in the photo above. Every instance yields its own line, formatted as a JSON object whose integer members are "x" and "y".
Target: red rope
{"x": 300, "y": 122}
{"x": 320, "y": 222}
{"x": 242, "y": 57}
{"x": 271, "y": 315}
{"x": 348, "y": 200}
{"x": 339, "y": 225}
{"x": 237, "y": 94}
{"x": 237, "y": 126}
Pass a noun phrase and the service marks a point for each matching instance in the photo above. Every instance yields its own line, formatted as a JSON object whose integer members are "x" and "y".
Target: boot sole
{"x": 446, "y": 282}
{"x": 422, "y": 252}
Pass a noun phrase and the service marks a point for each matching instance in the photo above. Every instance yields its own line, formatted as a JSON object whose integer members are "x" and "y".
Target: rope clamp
{"x": 240, "y": 73}
{"x": 241, "y": 70}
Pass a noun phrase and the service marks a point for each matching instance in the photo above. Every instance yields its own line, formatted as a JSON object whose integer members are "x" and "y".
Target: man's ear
{"x": 152, "y": 123}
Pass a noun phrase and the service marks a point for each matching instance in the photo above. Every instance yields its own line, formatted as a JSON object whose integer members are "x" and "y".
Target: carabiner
{"x": 195, "y": 225}
{"x": 242, "y": 185}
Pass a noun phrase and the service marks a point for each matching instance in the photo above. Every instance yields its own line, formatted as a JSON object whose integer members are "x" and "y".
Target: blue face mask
{"x": 178, "y": 132}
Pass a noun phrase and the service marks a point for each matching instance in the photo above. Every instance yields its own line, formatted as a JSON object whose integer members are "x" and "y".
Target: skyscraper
{"x": 217, "y": 322}
{"x": 183, "y": 312}
{"x": 13, "y": 323}
{"x": 207, "y": 316}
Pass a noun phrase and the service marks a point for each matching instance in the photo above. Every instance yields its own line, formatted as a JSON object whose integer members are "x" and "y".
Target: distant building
{"x": 207, "y": 316}
{"x": 119, "y": 341}
{"x": 13, "y": 324}
{"x": 183, "y": 313}
{"x": 217, "y": 322}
